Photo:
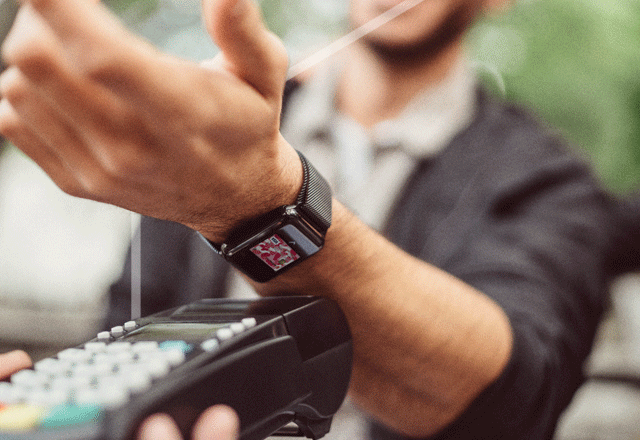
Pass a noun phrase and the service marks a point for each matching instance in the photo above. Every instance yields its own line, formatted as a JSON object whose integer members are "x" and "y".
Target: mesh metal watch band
{"x": 315, "y": 196}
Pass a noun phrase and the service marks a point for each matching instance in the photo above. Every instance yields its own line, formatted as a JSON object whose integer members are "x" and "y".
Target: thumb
{"x": 250, "y": 50}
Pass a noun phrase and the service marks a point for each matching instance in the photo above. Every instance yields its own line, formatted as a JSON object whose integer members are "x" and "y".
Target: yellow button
{"x": 20, "y": 417}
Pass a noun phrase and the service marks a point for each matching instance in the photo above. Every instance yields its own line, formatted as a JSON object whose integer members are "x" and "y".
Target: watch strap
{"x": 314, "y": 199}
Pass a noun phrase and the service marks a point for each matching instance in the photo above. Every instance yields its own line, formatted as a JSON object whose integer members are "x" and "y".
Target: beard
{"x": 430, "y": 46}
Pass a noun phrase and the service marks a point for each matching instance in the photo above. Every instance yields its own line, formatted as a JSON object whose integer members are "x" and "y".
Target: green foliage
{"x": 577, "y": 63}
{"x": 132, "y": 11}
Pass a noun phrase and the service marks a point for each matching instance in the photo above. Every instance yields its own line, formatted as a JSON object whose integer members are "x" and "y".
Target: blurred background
{"x": 577, "y": 62}
{"x": 574, "y": 62}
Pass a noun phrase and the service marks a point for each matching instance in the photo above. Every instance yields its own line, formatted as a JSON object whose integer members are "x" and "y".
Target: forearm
{"x": 425, "y": 343}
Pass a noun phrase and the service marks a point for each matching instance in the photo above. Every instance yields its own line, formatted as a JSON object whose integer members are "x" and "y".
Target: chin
{"x": 396, "y": 42}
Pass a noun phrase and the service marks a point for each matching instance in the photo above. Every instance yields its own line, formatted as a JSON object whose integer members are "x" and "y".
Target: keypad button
{"x": 237, "y": 327}
{"x": 75, "y": 355}
{"x": 144, "y": 346}
{"x": 48, "y": 397}
{"x": 83, "y": 370}
{"x": 157, "y": 367}
{"x": 113, "y": 397}
{"x": 249, "y": 322}
{"x": 95, "y": 347}
{"x": 106, "y": 397}
{"x": 117, "y": 331}
{"x": 104, "y": 336}
{"x": 53, "y": 367}
{"x": 104, "y": 368}
{"x": 123, "y": 357}
{"x": 65, "y": 384}
{"x": 10, "y": 394}
{"x": 29, "y": 379}
{"x": 135, "y": 379}
{"x": 224, "y": 334}
{"x": 210, "y": 345}
{"x": 81, "y": 381}
{"x": 69, "y": 415}
{"x": 176, "y": 345}
{"x": 175, "y": 357}
{"x": 118, "y": 346}
{"x": 130, "y": 326}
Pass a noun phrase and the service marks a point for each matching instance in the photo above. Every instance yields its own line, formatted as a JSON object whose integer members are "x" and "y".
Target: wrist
{"x": 266, "y": 246}
{"x": 313, "y": 277}
{"x": 279, "y": 185}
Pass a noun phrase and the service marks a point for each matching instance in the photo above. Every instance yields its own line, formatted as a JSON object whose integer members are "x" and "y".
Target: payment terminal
{"x": 282, "y": 363}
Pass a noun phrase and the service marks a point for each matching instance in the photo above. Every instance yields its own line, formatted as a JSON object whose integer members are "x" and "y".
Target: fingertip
{"x": 252, "y": 52}
{"x": 20, "y": 358}
{"x": 159, "y": 426}
{"x": 13, "y": 361}
{"x": 219, "y": 422}
{"x": 219, "y": 15}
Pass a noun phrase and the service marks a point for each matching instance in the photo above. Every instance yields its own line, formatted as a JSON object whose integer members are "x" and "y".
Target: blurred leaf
{"x": 579, "y": 67}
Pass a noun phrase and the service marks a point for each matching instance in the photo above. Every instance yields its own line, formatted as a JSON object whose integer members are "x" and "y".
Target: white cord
{"x": 351, "y": 37}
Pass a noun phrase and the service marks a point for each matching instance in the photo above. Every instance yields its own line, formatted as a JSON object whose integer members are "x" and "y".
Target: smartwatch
{"x": 268, "y": 245}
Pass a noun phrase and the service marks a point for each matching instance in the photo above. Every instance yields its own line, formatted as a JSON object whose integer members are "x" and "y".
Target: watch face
{"x": 275, "y": 252}
{"x": 277, "y": 247}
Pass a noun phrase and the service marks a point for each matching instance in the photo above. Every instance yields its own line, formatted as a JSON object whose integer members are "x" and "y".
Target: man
{"x": 476, "y": 325}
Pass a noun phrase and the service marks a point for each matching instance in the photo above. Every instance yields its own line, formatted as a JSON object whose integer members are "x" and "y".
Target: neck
{"x": 374, "y": 88}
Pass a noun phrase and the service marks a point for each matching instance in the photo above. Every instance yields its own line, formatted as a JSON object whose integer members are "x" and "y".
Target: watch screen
{"x": 275, "y": 252}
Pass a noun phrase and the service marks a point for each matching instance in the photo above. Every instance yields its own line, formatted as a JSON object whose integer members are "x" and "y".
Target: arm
{"x": 425, "y": 343}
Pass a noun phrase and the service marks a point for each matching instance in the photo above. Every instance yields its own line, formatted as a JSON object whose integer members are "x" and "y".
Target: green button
{"x": 69, "y": 415}
{"x": 173, "y": 345}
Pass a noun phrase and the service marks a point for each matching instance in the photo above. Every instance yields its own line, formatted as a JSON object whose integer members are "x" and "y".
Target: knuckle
{"x": 94, "y": 185}
{"x": 71, "y": 188}
{"x": 32, "y": 58}
{"x": 9, "y": 128}
{"x": 280, "y": 56}
{"x": 102, "y": 67}
{"x": 126, "y": 164}
{"x": 9, "y": 122}
{"x": 13, "y": 86}
{"x": 118, "y": 167}
{"x": 41, "y": 4}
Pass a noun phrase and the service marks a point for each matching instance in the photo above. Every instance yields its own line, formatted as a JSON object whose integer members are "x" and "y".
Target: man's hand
{"x": 13, "y": 361}
{"x": 109, "y": 118}
{"x": 216, "y": 423}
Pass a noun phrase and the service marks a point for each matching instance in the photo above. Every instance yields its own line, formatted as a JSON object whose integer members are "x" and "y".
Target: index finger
{"x": 73, "y": 19}
{"x": 96, "y": 44}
